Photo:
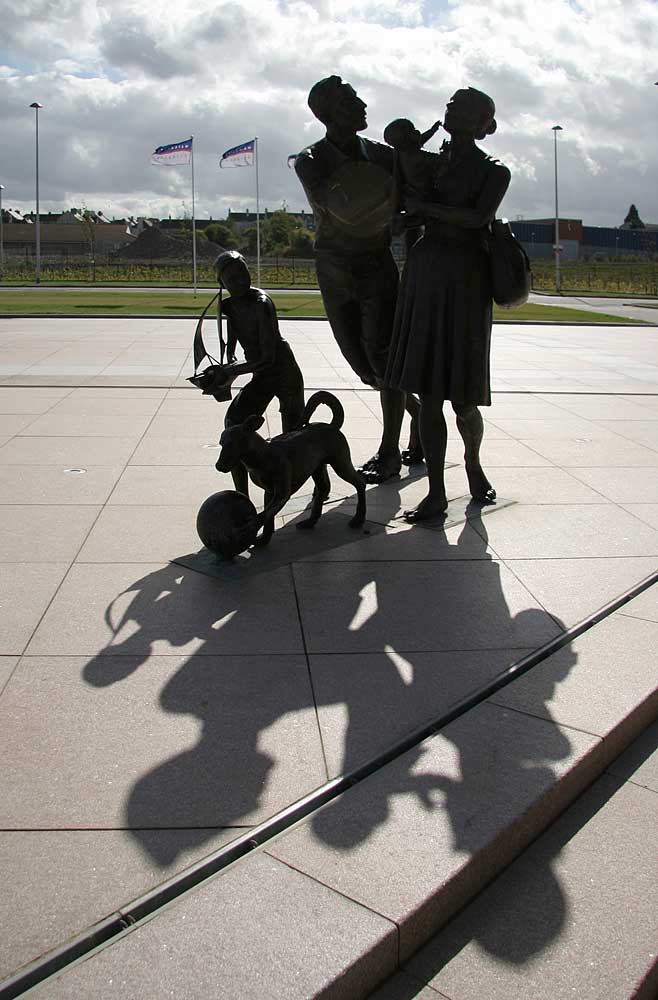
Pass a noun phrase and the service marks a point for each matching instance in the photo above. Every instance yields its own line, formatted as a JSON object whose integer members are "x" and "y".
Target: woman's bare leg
{"x": 434, "y": 438}
{"x": 413, "y": 453}
{"x": 471, "y": 427}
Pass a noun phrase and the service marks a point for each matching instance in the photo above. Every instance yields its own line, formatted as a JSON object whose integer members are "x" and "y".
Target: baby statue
{"x": 415, "y": 168}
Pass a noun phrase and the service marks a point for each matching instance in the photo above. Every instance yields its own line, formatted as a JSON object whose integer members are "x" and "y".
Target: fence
{"x": 631, "y": 278}
{"x": 285, "y": 272}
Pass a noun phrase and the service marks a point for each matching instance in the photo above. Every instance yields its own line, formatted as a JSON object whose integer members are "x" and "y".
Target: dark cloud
{"x": 116, "y": 80}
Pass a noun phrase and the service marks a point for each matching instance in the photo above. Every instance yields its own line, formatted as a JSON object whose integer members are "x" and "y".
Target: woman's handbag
{"x": 213, "y": 380}
{"x": 509, "y": 266}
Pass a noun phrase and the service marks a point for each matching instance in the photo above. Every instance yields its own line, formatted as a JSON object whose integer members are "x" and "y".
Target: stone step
{"x": 333, "y": 907}
{"x": 576, "y": 915}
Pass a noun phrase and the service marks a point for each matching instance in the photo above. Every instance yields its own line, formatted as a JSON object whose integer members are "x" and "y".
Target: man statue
{"x": 349, "y": 183}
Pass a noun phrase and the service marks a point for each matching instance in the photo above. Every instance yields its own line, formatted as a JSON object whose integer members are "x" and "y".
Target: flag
{"x": 175, "y": 154}
{"x": 240, "y": 156}
{"x": 291, "y": 160}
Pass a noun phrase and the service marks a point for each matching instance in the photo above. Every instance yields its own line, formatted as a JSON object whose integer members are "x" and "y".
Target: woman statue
{"x": 442, "y": 331}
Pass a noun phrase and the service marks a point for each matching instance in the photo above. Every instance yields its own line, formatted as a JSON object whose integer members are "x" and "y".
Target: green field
{"x": 45, "y": 302}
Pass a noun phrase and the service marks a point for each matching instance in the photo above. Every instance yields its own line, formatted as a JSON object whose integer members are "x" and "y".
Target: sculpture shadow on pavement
{"x": 222, "y": 781}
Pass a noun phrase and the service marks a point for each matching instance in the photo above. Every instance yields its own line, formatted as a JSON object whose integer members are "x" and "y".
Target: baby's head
{"x": 402, "y": 134}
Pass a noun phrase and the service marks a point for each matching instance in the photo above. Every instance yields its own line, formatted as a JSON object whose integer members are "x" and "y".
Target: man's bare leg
{"x": 471, "y": 427}
{"x": 387, "y": 462}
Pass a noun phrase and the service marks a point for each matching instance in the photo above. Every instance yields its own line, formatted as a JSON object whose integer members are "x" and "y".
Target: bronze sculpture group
{"x": 436, "y": 340}
{"x": 420, "y": 341}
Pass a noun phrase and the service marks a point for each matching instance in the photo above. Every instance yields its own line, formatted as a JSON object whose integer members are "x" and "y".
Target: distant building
{"x": 65, "y": 239}
{"x": 247, "y": 220}
{"x": 581, "y": 242}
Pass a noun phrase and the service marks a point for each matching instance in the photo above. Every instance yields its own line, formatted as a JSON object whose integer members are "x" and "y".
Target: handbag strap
{"x": 199, "y": 348}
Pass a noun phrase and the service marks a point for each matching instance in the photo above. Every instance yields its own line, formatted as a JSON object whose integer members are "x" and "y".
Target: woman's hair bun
{"x": 487, "y": 127}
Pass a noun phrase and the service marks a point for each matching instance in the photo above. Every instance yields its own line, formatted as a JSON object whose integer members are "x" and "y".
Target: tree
{"x": 633, "y": 220}
{"x": 222, "y": 233}
{"x": 301, "y": 244}
{"x": 277, "y": 231}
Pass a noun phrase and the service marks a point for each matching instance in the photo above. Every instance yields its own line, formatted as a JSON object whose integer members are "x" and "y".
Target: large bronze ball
{"x": 226, "y": 523}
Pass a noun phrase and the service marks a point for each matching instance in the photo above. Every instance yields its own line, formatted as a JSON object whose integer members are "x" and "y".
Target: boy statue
{"x": 252, "y": 323}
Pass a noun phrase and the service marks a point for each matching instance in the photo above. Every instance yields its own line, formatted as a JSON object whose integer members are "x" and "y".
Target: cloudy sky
{"x": 117, "y": 78}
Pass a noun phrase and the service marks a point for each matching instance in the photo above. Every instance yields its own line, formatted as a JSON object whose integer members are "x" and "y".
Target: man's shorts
{"x": 359, "y": 294}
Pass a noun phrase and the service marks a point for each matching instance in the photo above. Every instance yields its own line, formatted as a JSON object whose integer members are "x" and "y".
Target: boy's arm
{"x": 268, "y": 334}
{"x": 426, "y": 136}
{"x": 224, "y": 311}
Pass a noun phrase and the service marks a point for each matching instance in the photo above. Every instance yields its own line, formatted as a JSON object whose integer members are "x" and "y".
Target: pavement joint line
{"x": 333, "y": 388}
{"x": 148, "y": 905}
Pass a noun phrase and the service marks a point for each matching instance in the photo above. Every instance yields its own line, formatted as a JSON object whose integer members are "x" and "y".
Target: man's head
{"x": 232, "y": 272}
{"x": 337, "y": 105}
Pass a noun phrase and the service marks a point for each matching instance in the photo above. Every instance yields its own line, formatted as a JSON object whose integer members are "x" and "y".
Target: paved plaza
{"x": 153, "y": 706}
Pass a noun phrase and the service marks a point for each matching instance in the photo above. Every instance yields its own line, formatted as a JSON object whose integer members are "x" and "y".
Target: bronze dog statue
{"x": 281, "y": 466}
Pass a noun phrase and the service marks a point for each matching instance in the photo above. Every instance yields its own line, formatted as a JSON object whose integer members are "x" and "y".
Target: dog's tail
{"x": 328, "y": 398}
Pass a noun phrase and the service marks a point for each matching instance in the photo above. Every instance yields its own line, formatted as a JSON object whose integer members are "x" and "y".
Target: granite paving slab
{"x": 165, "y": 485}
{"x": 644, "y": 606}
{"x": 647, "y": 512}
{"x": 474, "y": 796}
{"x": 600, "y": 407}
{"x": 620, "y": 485}
{"x": 137, "y": 608}
{"x": 15, "y": 423}
{"x": 7, "y": 666}
{"x": 44, "y": 533}
{"x": 402, "y": 986}
{"x": 591, "y": 452}
{"x": 26, "y": 590}
{"x": 47, "y": 484}
{"x": 424, "y": 605}
{"x": 572, "y": 589}
{"x": 96, "y": 425}
{"x": 163, "y": 742}
{"x": 566, "y": 531}
{"x": 571, "y": 917}
{"x": 261, "y": 929}
{"x": 140, "y": 534}
{"x": 639, "y": 763}
{"x": 96, "y": 404}
{"x": 604, "y": 683}
{"x": 64, "y": 881}
{"x": 25, "y": 401}
{"x": 401, "y": 542}
{"x": 68, "y": 451}
{"x": 366, "y": 702}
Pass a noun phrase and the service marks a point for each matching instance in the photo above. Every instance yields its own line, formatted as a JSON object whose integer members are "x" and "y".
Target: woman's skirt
{"x": 442, "y": 330}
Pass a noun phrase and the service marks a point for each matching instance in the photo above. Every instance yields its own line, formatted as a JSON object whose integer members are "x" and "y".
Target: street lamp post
{"x": 2, "y": 243}
{"x": 556, "y": 248}
{"x": 36, "y": 106}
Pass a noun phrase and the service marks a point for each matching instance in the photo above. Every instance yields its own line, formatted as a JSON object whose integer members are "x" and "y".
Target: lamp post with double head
{"x": 557, "y": 247}
{"x": 36, "y": 106}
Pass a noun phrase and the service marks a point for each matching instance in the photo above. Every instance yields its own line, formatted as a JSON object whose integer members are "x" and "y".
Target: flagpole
{"x": 257, "y": 215}
{"x": 193, "y": 219}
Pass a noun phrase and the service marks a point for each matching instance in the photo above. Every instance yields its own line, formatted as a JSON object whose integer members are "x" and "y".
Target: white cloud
{"x": 117, "y": 78}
